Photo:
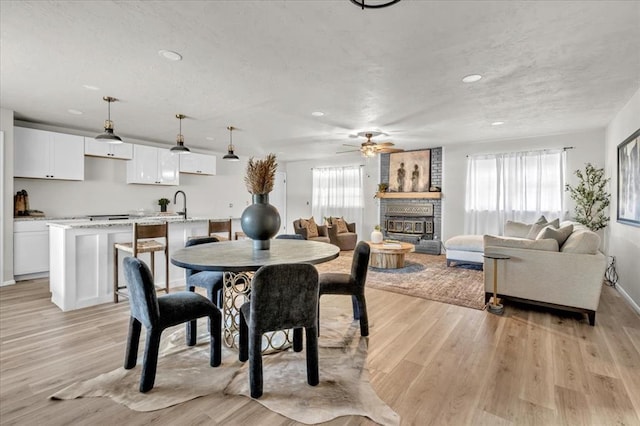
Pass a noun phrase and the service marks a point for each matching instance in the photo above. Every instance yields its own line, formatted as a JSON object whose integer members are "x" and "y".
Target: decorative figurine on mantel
{"x": 260, "y": 221}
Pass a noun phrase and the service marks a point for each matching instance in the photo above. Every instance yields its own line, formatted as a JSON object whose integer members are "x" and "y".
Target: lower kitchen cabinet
{"x": 30, "y": 247}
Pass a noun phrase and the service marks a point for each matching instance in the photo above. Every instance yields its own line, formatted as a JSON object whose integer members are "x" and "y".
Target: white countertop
{"x": 85, "y": 223}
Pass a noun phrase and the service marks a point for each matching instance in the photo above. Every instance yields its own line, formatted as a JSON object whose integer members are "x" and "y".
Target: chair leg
{"x": 192, "y": 332}
{"x": 166, "y": 268}
{"x": 313, "y": 374}
{"x": 243, "y": 340}
{"x": 297, "y": 339}
{"x": 115, "y": 275}
{"x": 255, "y": 364}
{"x": 356, "y": 309}
{"x": 131, "y": 353}
{"x": 364, "y": 317}
{"x": 215, "y": 339}
{"x": 150, "y": 360}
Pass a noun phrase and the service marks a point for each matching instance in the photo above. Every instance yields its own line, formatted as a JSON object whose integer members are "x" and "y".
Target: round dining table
{"x": 238, "y": 261}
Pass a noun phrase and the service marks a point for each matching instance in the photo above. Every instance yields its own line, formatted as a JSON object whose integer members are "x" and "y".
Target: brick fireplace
{"x": 413, "y": 220}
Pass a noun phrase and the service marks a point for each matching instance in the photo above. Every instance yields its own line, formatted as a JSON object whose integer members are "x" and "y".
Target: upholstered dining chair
{"x": 209, "y": 280}
{"x": 289, "y": 237}
{"x": 283, "y": 296}
{"x": 351, "y": 284}
{"x": 157, "y": 314}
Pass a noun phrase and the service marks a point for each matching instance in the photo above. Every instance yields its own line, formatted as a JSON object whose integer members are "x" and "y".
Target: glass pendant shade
{"x": 108, "y": 135}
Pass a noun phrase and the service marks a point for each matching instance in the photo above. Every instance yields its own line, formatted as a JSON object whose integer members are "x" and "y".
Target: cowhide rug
{"x": 184, "y": 374}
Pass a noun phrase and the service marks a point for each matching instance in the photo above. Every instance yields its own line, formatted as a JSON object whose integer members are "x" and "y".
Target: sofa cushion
{"x": 582, "y": 242}
{"x": 548, "y": 244}
{"x": 537, "y": 227}
{"x": 560, "y": 234}
{"x": 310, "y": 224}
{"x": 472, "y": 243}
{"x": 341, "y": 224}
{"x": 516, "y": 229}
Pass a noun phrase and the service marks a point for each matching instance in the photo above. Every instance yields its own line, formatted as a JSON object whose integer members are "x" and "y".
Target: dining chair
{"x": 220, "y": 226}
{"x": 157, "y": 314}
{"x": 351, "y": 284}
{"x": 283, "y": 296}
{"x": 209, "y": 280}
{"x": 143, "y": 241}
{"x": 289, "y": 237}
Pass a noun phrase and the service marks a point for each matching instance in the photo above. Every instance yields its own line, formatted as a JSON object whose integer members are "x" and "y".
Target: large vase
{"x": 260, "y": 221}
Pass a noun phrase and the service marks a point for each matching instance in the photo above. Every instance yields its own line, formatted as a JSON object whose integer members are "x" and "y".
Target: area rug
{"x": 184, "y": 374}
{"x": 424, "y": 275}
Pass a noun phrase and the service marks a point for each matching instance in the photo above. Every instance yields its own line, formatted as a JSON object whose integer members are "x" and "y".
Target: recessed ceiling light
{"x": 497, "y": 123}
{"x": 90, "y": 87}
{"x": 472, "y": 78}
{"x": 168, "y": 54}
{"x": 317, "y": 113}
{"x": 74, "y": 112}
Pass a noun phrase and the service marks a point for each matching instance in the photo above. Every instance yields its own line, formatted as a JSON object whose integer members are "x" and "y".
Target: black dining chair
{"x": 351, "y": 284}
{"x": 210, "y": 280}
{"x": 289, "y": 237}
{"x": 283, "y": 296}
{"x": 157, "y": 314}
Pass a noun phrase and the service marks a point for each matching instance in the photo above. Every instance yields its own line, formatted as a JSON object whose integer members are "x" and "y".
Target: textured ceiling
{"x": 265, "y": 66}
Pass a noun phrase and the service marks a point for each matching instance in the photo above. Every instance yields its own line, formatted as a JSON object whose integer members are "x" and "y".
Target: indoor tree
{"x": 591, "y": 198}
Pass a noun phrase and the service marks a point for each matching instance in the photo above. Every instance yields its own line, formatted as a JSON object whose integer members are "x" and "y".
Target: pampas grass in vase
{"x": 260, "y": 221}
{"x": 261, "y": 175}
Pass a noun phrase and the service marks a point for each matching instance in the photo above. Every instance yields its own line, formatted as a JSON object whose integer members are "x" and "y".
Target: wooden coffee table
{"x": 389, "y": 255}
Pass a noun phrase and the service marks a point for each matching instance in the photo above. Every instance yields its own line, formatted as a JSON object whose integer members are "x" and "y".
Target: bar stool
{"x": 216, "y": 226}
{"x": 143, "y": 242}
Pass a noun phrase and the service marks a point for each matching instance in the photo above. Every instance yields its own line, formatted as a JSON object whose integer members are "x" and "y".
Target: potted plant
{"x": 591, "y": 198}
{"x": 162, "y": 202}
{"x": 376, "y": 235}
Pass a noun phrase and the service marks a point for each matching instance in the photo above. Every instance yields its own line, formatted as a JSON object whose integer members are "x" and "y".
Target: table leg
{"x": 236, "y": 292}
{"x": 494, "y": 306}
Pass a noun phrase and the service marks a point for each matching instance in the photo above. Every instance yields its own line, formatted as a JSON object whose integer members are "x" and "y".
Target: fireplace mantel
{"x": 417, "y": 195}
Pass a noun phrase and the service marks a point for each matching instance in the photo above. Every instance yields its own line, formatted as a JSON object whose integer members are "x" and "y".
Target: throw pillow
{"x": 560, "y": 234}
{"x": 541, "y": 220}
{"x": 582, "y": 242}
{"x": 537, "y": 227}
{"x": 516, "y": 229}
{"x": 312, "y": 228}
{"x": 341, "y": 224}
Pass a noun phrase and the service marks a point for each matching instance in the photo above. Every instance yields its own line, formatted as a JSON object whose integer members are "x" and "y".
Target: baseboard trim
{"x": 10, "y": 282}
{"x": 628, "y": 298}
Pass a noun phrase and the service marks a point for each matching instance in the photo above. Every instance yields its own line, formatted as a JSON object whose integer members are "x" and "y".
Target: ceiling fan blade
{"x": 385, "y": 143}
{"x": 353, "y": 146}
{"x": 389, "y": 150}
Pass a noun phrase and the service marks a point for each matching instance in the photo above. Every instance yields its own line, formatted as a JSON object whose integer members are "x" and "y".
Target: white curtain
{"x": 337, "y": 191}
{"x": 518, "y": 186}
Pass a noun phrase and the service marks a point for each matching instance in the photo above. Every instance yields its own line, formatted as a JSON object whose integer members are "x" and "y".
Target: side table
{"x": 494, "y": 307}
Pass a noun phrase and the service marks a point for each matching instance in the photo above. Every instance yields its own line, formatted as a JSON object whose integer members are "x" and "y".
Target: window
{"x": 337, "y": 191}
{"x": 517, "y": 186}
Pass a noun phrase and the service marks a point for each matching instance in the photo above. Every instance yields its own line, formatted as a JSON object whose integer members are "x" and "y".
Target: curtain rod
{"x": 565, "y": 148}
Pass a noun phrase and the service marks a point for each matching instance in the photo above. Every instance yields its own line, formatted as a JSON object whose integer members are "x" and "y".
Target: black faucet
{"x": 184, "y": 205}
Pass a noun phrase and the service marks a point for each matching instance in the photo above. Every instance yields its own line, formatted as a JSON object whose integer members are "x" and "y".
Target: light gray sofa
{"x": 559, "y": 268}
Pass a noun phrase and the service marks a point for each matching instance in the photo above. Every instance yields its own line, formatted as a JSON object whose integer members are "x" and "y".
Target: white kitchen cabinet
{"x": 153, "y": 166}
{"x": 30, "y": 247}
{"x": 199, "y": 164}
{"x": 48, "y": 155}
{"x": 94, "y": 148}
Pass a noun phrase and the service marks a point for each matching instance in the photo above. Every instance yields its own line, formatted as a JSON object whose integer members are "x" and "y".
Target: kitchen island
{"x": 81, "y": 257}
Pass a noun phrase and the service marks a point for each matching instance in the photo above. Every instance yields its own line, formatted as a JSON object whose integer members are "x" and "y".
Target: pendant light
{"x": 180, "y": 148}
{"x": 108, "y": 135}
{"x": 230, "y": 155}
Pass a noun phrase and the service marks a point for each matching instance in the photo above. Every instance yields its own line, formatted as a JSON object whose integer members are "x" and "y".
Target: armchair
{"x": 323, "y": 234}
{"x": 345, "y": 240}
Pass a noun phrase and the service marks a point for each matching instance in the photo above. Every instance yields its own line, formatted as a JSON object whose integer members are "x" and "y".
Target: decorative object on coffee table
{"x": 260, "y": 221}
{"x": 376, "y": 235}
{"x": 494, "y": 307}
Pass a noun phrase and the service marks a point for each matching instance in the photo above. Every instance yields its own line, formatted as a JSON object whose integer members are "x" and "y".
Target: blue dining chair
{"x": 157, "y": 314}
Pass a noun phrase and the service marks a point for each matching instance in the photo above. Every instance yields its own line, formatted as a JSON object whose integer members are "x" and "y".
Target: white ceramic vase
{"x": 376, "y": 237}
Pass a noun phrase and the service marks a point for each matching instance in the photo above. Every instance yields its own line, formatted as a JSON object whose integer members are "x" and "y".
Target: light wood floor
{"x": 433, "y": 363}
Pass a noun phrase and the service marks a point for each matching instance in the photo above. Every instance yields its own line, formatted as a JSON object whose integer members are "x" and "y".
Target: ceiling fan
{"x": 370, "y": 148}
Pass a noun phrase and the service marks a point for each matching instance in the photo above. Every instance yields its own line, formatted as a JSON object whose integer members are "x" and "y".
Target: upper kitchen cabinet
{"x": 94, "y": 148}
{"x": 199, "y": 164}
{"x": 153, "y": 166}
{"x": 47, "y": 155}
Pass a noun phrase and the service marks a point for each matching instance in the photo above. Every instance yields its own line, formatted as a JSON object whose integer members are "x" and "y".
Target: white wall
{"x": 6, "y": 212}
{"x": 300, "y": 182}
{"x": 589, "y": 147}
{"x": 623, "y": 241}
